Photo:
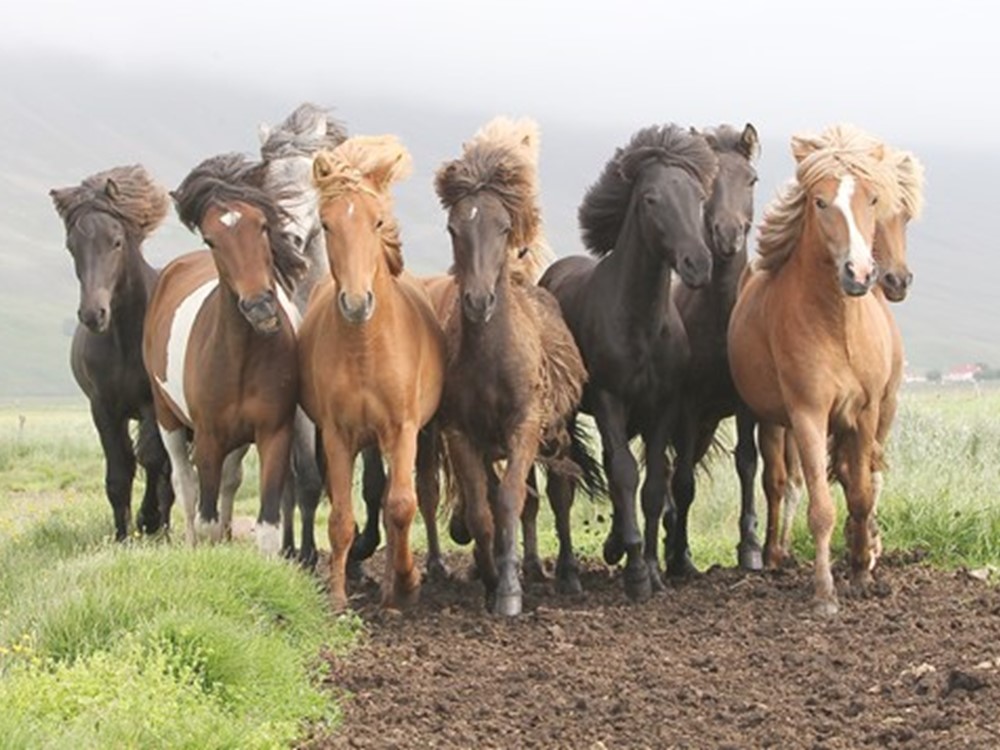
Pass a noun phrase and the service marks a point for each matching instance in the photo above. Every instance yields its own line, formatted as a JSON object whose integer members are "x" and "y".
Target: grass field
{"x": 107, "y": 645}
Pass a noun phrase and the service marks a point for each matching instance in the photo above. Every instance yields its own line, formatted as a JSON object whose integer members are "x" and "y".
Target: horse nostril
{"x": 491, "y": 299}
{"x": 369, "y": 299}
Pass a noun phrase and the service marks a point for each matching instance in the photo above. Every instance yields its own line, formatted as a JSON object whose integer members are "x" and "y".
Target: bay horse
{"x": 782, "y": 478}
{"x": 709, "y": 395}
{"x": 643, "y": 220}
{"x": 107, "y": 217}
{"x": 809, "y": 348}
{"x": 514, "y": 376}
{"x": 219, "y": 347}
{"x": 371, "y": 352}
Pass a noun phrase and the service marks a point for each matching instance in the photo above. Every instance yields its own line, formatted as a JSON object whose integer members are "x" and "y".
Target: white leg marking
{"x": 210, "y": 531}
{"x": 859, "y": 251}
{"x": 182, "y": 477}
{"x": 180, "y": 332}
{"x": 268, "y": 539}
{"x": 232, "y": 477}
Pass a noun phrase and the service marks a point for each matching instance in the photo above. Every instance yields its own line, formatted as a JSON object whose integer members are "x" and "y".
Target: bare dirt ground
{"x": 727, "y": 660}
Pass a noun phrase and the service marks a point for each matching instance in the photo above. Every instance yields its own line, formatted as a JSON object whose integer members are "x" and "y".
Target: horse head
{"x": 480, "y": 230}
{"x": 889, "y": 246}
{"x": 362, "y": 236}
{"x": 729, "y": 208}
{"x": 237, "y": 234}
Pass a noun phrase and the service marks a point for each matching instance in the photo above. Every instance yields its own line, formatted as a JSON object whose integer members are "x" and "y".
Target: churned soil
{"x": 726, "y": 660}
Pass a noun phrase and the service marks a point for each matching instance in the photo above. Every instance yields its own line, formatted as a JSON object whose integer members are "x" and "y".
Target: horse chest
{"x": 484, "y": 403}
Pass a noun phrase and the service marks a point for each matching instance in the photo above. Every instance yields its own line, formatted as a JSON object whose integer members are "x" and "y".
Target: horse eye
{"x": 209, "y": 244}
{"x": 753, "y": 180}
{"x": 874, "y": 200}
{"x": 379, "y": 223}
{"x": 325, "y": 227}
{"x": 118, "y": 243}
{"x": 820, "y": 203}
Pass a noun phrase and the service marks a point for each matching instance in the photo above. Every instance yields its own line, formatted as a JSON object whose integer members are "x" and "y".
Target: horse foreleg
{"x": 471, "y": 478}
{"x": 373, "y": 492}
{"x": 811, "y": 436}
{"x": 682, "y": 488}
{"x": 154, "y": 513}
{"x": 232, "y": 478}
{"x": 429, "y": 496}
{"x": 623, "y": 478}
{"x": 308, "y": 486}
{"x": 748, "y": 551}
{"x": 533, "y": 568}
{"x": 561, "y": 490}
{"x": 275, "y": 450}
{"x": 775, "y": 481}
{"x": 401, "y": 582}
{"x": 860, "y": 494}
{"x": 339, "y": 460}
{"x": 793, "y": 493}
{"x": 510, "y": 503}
{"x": 119, "y": 467}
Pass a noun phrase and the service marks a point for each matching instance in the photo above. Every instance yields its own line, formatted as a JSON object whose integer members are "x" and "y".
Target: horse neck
{"x": 132, "y": 291}
{"x": 811, "y": 271}
{"x": 724, "y": 286}
{"x": 319, "y": 269}
{"x": 642, "y": 291}
{"x": 232, "y": 331}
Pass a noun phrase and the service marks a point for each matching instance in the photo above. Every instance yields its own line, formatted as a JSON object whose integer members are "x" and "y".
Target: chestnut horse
{"x": 643, "y": 219}
{"x": 514, "y": 376}
{"x": 782, "y": 477}
{"x": 809, "y": 348}
{"x": 107, "y": 217}
{"x": 219, "y": 346}
{"x": 371, "y": 352}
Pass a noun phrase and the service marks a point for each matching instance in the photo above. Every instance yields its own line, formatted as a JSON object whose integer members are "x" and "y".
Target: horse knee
{"x": 622, "y": 469}
{"x": 400, "y": 509}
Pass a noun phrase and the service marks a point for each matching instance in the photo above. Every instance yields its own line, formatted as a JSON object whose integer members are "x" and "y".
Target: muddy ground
{"x": 727, "y": 660}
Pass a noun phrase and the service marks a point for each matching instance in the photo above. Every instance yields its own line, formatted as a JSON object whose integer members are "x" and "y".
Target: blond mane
{"x": 838, "y": 151}
{"x": 366, "y": 164}
{"x": 910, "y": 176}
{"x": 502, "y": 157}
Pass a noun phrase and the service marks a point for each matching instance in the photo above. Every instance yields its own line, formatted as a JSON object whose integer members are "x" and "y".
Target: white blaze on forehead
{"x": 859, "y": 252}
{"x": 231, "y": 218}
{"x": 473, "y": 213}
{"x": 177, "y": 345}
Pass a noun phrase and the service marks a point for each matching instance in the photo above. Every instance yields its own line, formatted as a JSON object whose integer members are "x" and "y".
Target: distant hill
{"x": 63, "y": 120}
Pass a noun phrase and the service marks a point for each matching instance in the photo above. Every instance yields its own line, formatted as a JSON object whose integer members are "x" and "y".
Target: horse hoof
{"x": 825, "y": 608}
{"x": 534, "y": 571}
{"x": 437, "y": 572}
{"x": 355, "y": 571}
{"x": 459, "y": 531}
{"x": 307, "y": 559}
{"x": 637, "y": 585}
{"x": 614, "y": 550}
{"x": 210, "y": 531}
{"x": 568, "y": 584}
{"x": 507, "y": 605}
{"x": 402, "y": 600}
{"x": 750, "y": 557}
{"x": 682, "y": 569}
{"x": 268, "y": 539}
{"x": 655, "y": 579}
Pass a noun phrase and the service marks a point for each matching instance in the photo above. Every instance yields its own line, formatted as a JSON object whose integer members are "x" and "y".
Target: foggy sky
{"x": 910, "y": 72}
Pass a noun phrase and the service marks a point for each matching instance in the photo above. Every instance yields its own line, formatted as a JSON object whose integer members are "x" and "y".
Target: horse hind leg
{"x": 561, "y": 490}
{"x": 748, "y": 551}
{"x": 232, "y": 478}
{"x": 533, "y": 568}
{"x": 304, "y": 490}
{"x": 401, "y": 581}
{"x": 274, "y": 449}
{"x": 775, "y": 481}
{"x": 119, "y": 468}
{"x": 183, "y": 478}
{"x": 154, "y": 513}
{"x": 428, "y": 498}
{"x": 373, "y": 491}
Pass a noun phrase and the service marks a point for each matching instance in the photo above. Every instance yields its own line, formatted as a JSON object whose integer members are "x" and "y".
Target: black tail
{"x": 582, "y": 453}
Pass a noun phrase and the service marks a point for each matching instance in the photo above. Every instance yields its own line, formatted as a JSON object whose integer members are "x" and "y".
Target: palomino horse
{"x": 220, "y": 347}
{"x": 643, "y": 219}
{"x": 782, "y": 477}
{"x": 107, "y": 217}
{"x": 371, "y": 352}
{"x": 514, "y": 376}
{"x": 709, "y": 394}
{"x": 808, "y": 347}
{"x": 287, "y": 151}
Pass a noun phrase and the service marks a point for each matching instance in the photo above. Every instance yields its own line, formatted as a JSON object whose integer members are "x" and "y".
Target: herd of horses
{"x": 297, "y": 329}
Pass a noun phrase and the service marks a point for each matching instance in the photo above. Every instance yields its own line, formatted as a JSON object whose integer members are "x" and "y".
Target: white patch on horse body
{"x": 859, "y": 251}
{"x": 231, "y": 218}
{"x": 177, "y": 344}
{"x": 473, "y": 213}
{"x": 268, "y": 539}
{"x": 182, "y": 477}
{"x": 291, "y": 311}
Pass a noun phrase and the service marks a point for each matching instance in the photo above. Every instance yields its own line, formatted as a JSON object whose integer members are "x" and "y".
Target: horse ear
{"x": 693, "y": 130}
{"x": 750, "y": 143}
{"x": 319, "y": 129}
{"x": 878, "y": 152}
{"x": 111, "y": 189}
{"x": 322, "y": 167}
{"x": 802, "y": 147}
{"x": 60, "y": 199}
{"x": 263, "y": 132}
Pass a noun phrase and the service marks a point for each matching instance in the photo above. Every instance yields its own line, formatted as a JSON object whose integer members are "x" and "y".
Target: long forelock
{"x": 297, "y": 134}
{"x": 138, "y": 201}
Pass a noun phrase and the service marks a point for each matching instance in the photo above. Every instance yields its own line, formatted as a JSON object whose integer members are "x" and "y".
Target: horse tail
{"x": 583, "y": 453}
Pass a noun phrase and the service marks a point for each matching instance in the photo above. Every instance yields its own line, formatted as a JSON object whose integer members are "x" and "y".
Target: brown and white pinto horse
{"x": 808, "y": 347}
{"x": 782, "y": 477}
{"x": 371, "y": 353}
{"x": 219, "y": 346}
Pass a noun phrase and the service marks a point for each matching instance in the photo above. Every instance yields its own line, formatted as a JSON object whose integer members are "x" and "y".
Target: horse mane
{"x": 910, "y": 176}
{"x": 838, "y": 151}
{"x": 128, "y": 193}
{"x": 502, "y": 158}
{"x": 304, "y": 132}
{"x": 367, "y": 164}
{"x": 605, "y": 205}
{"x": 232, "y": 177}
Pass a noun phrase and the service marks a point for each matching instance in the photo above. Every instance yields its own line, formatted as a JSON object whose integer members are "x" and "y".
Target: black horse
{"x": 643, "y": 219}
{"x": 709, "y": 395}
{"x": 107, "y": 217}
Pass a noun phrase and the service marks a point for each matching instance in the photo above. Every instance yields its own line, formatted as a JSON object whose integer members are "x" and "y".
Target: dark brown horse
{"x": 107, "y": 217}
{"x": 514, "y": 376}
{"x": 709, "y": 395}
{"x": 219, "y": 346}
{"x": 809, "y": 348}
{"x": 643, "y": 220}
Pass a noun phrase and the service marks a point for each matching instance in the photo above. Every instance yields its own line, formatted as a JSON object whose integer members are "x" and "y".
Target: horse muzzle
{"x": 95, "y": 311}
{"x": 261, "y": 312}
{"x": 479, "y": 308}
{"x": 856, "y": 284}
{"x": 695, "y": 269}
{"x": 356, "y": 308}
{"x": 896, "y": 285}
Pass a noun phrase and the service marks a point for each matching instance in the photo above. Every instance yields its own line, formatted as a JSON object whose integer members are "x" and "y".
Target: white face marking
{"x": 231, "y": 218}
{"x": 177, "y": 343}
{"x": 473, "y": 213}
{"x": 350, "y": 208}
{"x": 859, "y": 252}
